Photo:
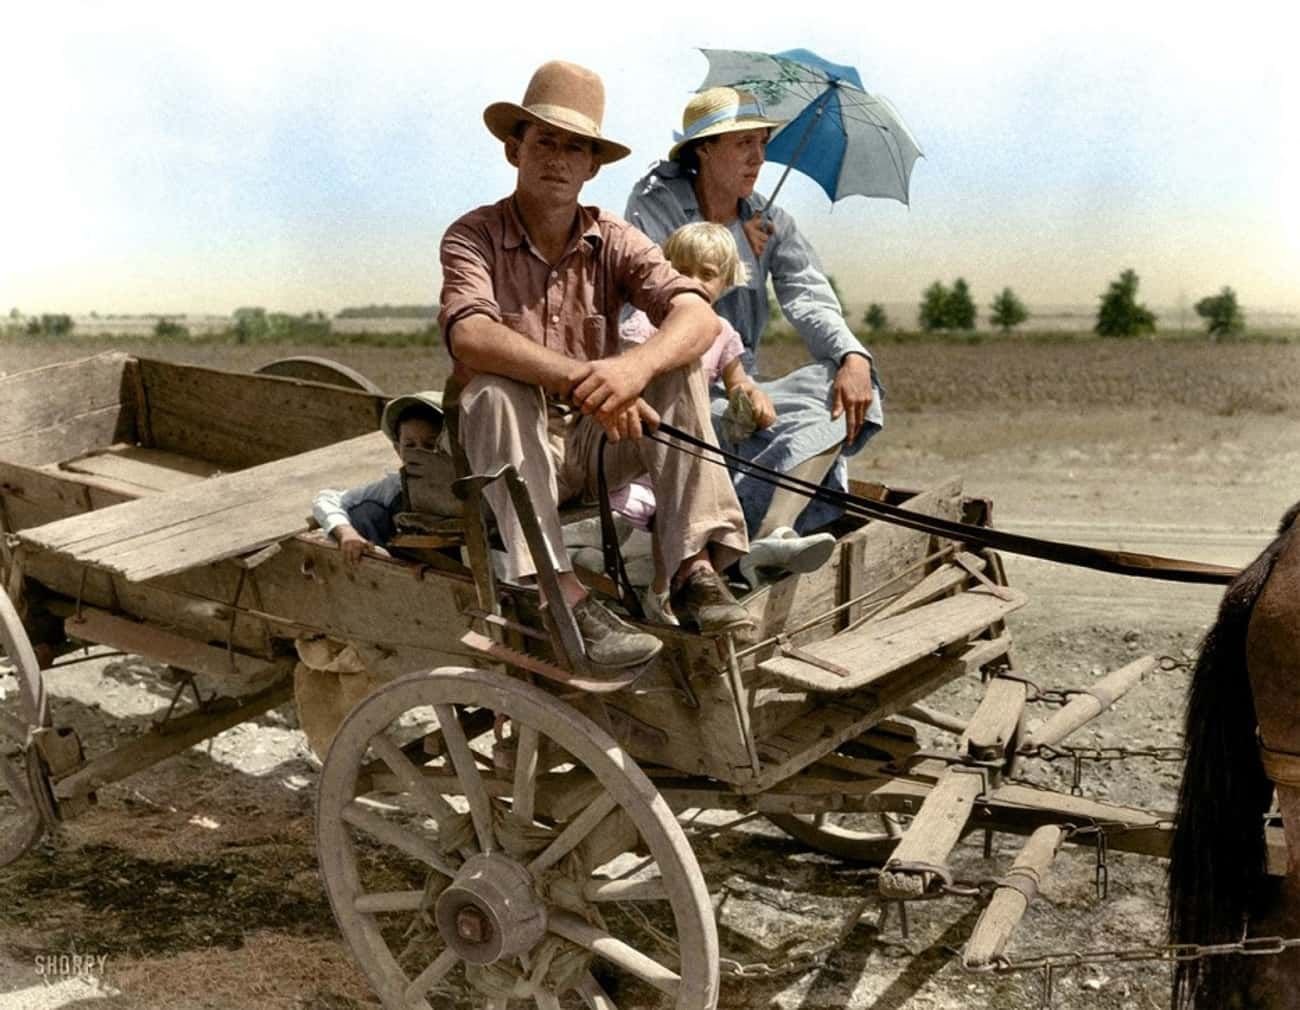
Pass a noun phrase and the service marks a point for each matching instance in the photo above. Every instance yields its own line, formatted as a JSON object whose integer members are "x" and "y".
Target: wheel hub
{"x": 490, "y": 911}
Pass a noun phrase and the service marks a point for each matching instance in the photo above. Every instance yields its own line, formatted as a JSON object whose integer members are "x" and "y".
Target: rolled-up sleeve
{"x": 645, "y": 277}
{"x": 466, "y": 279}
{"x": 805, "y": 295}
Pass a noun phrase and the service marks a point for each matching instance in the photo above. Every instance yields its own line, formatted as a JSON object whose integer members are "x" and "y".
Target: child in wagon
{"x": 707, "y": 252}
{"x": 362, "y": 518}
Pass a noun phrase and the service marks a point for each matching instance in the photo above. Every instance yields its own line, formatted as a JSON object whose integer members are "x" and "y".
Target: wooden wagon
{"x": 480, "y": 808}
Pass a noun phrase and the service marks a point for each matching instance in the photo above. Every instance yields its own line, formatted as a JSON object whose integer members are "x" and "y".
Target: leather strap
{"x": 1282, "y": 767}
{"x": 1150, "y": 566}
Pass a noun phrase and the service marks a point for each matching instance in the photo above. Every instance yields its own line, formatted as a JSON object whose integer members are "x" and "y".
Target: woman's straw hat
{"x": 719, "y": 110}
{"x": 563, "y": 95}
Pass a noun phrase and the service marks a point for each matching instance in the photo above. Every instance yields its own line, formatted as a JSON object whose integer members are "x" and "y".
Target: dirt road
{"x": 197, "y": 882}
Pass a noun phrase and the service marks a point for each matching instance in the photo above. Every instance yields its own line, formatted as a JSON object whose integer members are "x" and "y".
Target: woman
{"x": 826, "y": 410}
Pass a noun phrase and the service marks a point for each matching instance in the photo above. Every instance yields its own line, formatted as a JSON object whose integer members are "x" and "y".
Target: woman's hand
{"x": 758, "y": 231}
{"x": 851, "y": 394}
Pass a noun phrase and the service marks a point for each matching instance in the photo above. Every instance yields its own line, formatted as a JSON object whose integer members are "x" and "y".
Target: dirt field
{"x": 197, "y": 881}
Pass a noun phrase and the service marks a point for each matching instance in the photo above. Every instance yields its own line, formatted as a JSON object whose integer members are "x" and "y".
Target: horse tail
{"x": 1217, "y": 856}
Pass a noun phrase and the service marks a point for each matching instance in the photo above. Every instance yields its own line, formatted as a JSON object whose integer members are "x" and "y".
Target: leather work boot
{"x": 610, "y": 641}
{"x": 704, "y": 599}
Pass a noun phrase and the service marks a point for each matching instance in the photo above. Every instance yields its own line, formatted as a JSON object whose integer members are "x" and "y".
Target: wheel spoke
{"x": 525, "y": 792}
{"x": 614, "y": 950}
{"x": 594, "y": 995}
{"x": 428, "y": 978}
{"x": 577, "y": 830}
{"x": 625, "y": 890}
{"x": 388, "y": 901}
{"x": 398, "y": 837}
{"x": 480, "y": 807}
{"x": 411, "y": 777}
{"x": 546, "y": 1000}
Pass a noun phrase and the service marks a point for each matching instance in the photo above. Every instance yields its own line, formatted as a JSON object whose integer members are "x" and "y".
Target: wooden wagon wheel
{"x": 842, "y": 835}
{"x": 319, "y": 370}
{"x": 498, "y": 853}
{"x": 21, "y": 824}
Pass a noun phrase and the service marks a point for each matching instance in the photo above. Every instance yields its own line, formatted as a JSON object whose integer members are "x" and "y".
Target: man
{"x": 532, "y": 290}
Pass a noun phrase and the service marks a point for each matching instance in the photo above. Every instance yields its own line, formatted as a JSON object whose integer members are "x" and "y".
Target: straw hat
{"x": 431, "y": 400}
{"x": 719, "y": 110}
{"x": 563, "y": 95}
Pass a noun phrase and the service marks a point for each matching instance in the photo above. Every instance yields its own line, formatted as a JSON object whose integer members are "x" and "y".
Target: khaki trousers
{"x": 504, "y": 421}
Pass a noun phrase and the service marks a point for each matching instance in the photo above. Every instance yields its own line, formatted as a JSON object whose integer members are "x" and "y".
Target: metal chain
{"x": 800, "y": 963}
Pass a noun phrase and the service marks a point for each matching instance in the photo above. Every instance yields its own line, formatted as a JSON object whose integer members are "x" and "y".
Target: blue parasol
{"x": 846, "y": 140}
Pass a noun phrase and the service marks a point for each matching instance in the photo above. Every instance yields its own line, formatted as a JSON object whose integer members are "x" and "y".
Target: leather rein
{"x": 1149, "y": 566}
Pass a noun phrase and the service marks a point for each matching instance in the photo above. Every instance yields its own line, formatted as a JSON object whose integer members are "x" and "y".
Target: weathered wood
{"x": 94, "y": 625}
{"x": 215, "y": 519}
{"x": 147, "y": 469}
{"x": 993, "y": 728}
{"x": 874, "y": 649}
{"x": 880, "y": 551}
{"x": 833, "y": 723}
{"x": 239, "y": 419}
{"x": 157, "y": 746}
{"x": 65, "y": 409}
{"x": 942, "y": 581}
{"x": 883, "y": 549}
{"x": 1083, "y": 707}
{"x": 923, "y": 850}
{"x": 1008, "y": 904}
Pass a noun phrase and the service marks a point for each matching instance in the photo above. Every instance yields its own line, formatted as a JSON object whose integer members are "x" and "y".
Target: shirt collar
{"x": 684, "y": 188}
{"x": 514, "y": 234}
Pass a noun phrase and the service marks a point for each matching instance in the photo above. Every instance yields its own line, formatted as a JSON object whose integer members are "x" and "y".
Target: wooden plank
{"x": 238, "y": 419}
{"x": 94, "y": 625}
{"x": 828, "y": 726}
{"x": 879, "y": 549}
{"x": 79, "y": 434}
{"x": 216, "y": 519}
{"x": 1084, "y": 707}
{"x": 148, "y": 469}
{"x": 875, "y": 649}
{"x": 993, "y": 727}
{"x": 1008, "y": 904}
{"x": 55, "y": 397}
{"x": 940, "y": 582}
{"x": 932, "y": 834}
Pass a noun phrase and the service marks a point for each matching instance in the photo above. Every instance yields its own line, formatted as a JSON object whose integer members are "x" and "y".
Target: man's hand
{"x": 851, "y": 394}
{"x": 563, "y": 382}
{"x": 758, "y": 231}
{"x": 611, "y": 385}
{"x": 631, "y": 422}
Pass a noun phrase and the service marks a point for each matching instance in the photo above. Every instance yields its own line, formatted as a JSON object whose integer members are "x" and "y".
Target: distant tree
{"x": 1120, "y": 315}
{"x": 1007, "y": 311}
{"x": 933, "y": 314}
{"x": 14, "y": 314}
{"x": 250, "y": 324}
{"x": 33, "y": 327}
{"x": 961, "y": 306}
{"x": 1222, "y": 314}
{"x": 875, "y": 317}
{"x": 57, "y": 324}
{"x": 169, "y": 329}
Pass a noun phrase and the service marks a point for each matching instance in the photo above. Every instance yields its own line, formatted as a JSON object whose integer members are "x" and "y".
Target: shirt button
{"x": 555, "y": 319}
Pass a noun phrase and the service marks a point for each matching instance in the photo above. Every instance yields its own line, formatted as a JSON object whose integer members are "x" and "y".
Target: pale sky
{"x": 172, "y": 158}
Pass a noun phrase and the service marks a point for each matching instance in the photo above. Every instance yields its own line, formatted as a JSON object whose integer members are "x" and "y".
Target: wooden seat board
{"x": 213, "y": 519}
{"x": 877, "y": 648}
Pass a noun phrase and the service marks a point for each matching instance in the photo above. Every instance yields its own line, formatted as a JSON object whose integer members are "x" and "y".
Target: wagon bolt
{"x": 473, "y": 925}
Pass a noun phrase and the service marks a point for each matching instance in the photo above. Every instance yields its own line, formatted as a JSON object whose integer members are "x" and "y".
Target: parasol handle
{"x": 819, "y": 108}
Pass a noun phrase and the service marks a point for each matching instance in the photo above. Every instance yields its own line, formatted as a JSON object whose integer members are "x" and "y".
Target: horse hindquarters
{"x": 1217, "y": 856}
